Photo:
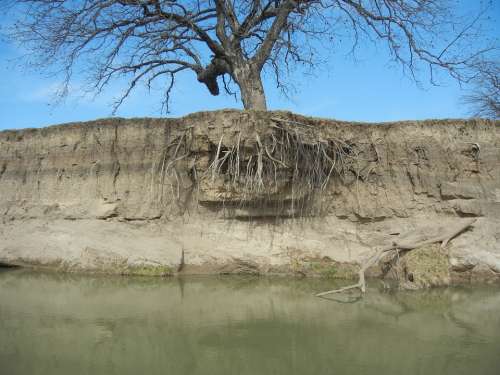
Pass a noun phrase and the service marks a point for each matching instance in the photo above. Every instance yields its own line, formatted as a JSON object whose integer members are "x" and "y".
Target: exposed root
{"x": 394, "y": 251}
{"x": 285, "y": 167}
{"x": 290, "y": 161}
{"x": 175, "y": 151}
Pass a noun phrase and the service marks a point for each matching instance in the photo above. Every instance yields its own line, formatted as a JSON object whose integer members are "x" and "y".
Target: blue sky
{"x": 368, "y": 88}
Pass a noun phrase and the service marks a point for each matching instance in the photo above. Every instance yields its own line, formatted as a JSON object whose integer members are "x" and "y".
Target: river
{"x": 69, "y": 324}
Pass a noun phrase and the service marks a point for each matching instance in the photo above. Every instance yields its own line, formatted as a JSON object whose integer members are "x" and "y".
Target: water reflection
{"x": 68, "y": 324}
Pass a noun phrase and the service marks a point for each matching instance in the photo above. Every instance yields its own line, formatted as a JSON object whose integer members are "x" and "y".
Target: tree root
{"x": 291, "y": 161}
{"x": 396, "y": 247}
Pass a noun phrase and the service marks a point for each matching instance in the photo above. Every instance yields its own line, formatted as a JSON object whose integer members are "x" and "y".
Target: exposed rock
{"x": 466, "y": 207}
{"x": 240, "y": 267}
{"x": 227, "y": 192}
{"x": 462, "y": 190}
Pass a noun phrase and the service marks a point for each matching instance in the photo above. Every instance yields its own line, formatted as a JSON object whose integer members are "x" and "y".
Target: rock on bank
{"x": 246, "y": 192}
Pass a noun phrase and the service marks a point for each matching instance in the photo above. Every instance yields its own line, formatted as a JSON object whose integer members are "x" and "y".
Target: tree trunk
{"x": 251, "y": 88}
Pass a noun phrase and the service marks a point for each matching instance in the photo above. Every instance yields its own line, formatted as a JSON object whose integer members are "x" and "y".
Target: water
{"x": 65, "y": 324}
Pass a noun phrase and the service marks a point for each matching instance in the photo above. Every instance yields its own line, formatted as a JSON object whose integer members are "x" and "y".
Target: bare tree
{"x": 225, "y": 41}
{"x": 485, "y": 96}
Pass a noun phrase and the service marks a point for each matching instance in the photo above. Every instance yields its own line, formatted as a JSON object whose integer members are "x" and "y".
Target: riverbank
{"x": 251, "y": 192}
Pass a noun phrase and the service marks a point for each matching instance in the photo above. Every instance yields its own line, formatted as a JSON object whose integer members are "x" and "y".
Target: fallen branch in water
{"x": 444, "y": 238}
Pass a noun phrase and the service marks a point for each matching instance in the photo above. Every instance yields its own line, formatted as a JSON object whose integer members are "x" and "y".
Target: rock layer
{"x": 213, "y": 192}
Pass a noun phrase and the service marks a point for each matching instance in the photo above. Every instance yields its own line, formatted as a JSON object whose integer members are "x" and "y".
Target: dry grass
{"x": 425, "y": 267}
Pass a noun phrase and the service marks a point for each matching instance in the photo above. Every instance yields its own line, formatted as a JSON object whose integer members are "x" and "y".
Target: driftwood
{"x": 444, "y": 238}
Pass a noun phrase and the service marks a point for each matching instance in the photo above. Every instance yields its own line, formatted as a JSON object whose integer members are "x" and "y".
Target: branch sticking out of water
{"x": 395, "y": 249}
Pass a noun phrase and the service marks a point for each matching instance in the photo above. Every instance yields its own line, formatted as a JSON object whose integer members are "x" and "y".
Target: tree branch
{"x": 444, "y": 238}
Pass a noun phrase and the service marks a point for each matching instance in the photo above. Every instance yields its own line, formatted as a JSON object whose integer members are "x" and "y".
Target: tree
{"x": 485, "y": 95}
{"x": 235, "y": 40}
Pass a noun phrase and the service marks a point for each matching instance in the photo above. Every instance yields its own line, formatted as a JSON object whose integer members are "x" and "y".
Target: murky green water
{"x": 63, "y": 324}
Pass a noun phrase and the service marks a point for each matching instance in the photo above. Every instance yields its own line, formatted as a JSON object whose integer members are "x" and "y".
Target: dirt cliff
{"x": 247, "y": 192}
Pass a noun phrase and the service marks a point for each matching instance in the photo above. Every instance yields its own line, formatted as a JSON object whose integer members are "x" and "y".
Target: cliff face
{"x": 254, "y": 192}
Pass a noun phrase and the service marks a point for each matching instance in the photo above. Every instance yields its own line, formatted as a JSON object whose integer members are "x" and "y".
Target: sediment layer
{"x": 246, "y": 192}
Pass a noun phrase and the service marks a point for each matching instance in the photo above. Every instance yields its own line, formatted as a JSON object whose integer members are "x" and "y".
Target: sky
{"x": 366, "y": 87}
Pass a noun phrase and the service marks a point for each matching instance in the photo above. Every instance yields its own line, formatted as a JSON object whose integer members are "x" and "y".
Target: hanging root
{"x": 289, "y": 162}
{"x": 394, "y": 251}
{"x": 166, "y": 169}
{"x": 283, "y": 167}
